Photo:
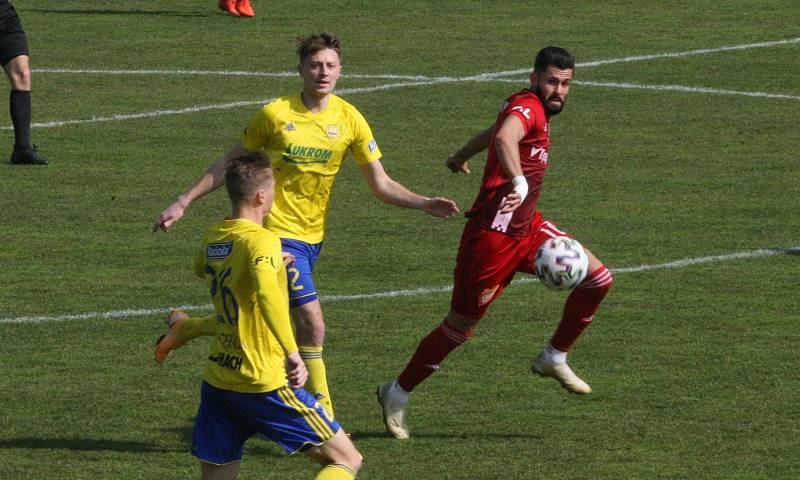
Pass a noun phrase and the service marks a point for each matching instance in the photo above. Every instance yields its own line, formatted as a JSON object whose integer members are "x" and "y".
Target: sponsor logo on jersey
{"x": 224, "y": 360}
{"x": 260, "y": 259}
{"x": 373, "y": 145}
{"x": 540, "y": 154}
{"x": 332, "y": 131}
{"x": 526, "y": 112}
{"x": 302, "y": 155}
{"x": 218, "y": 251}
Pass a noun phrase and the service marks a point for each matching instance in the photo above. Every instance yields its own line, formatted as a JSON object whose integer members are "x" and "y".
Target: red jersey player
{"x": 501, "y": 237}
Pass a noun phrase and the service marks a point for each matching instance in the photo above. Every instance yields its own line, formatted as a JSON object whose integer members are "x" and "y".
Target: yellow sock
{"x": 335, "y": 471}
{"x": 317, "y": 383}
{"x": 194, "y": 327}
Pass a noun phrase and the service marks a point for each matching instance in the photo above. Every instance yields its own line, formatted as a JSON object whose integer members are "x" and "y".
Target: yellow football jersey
{"x": 306, "y": 150}
{"x": 242, "y": 263}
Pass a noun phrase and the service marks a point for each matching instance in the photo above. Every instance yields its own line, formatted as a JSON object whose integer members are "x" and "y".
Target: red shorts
{"x": 487, "y": 261}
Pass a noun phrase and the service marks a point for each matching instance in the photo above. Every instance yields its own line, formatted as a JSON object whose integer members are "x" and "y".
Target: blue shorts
{"x": 226, "y": 419}
{"x": 301, "y": 282}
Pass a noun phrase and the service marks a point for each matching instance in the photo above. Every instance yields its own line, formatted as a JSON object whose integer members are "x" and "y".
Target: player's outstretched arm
{"x": 388, "y": 190}
{"x": 211, "y": 180}
{"x": 457, "y": 162}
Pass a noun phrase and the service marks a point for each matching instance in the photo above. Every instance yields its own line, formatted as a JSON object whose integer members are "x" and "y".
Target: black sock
{"x": 21, "y": 117}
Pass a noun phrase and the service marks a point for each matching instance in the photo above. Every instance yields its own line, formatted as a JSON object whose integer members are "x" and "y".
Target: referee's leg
{"x": 18, "y": 71}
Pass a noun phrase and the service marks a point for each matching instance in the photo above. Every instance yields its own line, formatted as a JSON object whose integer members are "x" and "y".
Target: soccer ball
{"x": 561, "y": 263}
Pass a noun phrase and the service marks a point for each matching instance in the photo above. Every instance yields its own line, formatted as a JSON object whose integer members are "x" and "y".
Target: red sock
{"x": 580, "y": 308}
{"x": 431, "y": 351}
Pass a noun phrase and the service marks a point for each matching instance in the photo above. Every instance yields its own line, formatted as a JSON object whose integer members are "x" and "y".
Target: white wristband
{"x": 520, "y": 186}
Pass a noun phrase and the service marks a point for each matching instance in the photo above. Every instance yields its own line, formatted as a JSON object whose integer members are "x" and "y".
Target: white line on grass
{"x": 683, "y": 263}
{"x": 667, "y": 88}
{"x": 413, "y": 81}
{"x": 221, "y": 73}
{"x": 440, "y": 80}
{"x": 658, "y": 56}
{"x": 287, "y": 74}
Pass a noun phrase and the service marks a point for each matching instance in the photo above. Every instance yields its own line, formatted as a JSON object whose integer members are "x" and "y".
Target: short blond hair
{"x": 247, "y": 174}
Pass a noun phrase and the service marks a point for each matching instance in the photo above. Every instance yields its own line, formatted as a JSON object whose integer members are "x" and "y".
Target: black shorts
{"x": 13, "y": 42}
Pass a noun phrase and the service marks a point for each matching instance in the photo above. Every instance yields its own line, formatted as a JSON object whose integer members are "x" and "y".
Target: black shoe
{"x": 27, "y": 156}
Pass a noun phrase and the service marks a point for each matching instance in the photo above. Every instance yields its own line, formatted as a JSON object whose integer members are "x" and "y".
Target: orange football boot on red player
{"x": 244, "y": 8}
{"x": 228, "y": 6}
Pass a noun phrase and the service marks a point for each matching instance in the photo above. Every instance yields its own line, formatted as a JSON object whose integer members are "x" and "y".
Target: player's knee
{"x": 461, "y": 323}
{"x": 310, "y": 325}
{"x": 20, "y": 76}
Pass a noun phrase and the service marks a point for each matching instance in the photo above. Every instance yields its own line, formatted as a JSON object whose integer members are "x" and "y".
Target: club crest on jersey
{"x": 218, "y": 251}
{"x": 487, "y": 295}
{"x": 332, "y": 131}
{"x": 290, "y": 127}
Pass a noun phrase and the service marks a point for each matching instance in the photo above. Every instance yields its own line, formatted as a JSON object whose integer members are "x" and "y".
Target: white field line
{"x": 287, "y": 74}
{"x": 666, "y": 88}
{"x": 683, "y": 263}
{"x": 438, "y": 80}
{"x": 659, "y": 56}
{"x": 223, "y": 106}
{"x": 221, "y": 73}
{"x": 681, "y": 88}
{"x": 411, "y": 81}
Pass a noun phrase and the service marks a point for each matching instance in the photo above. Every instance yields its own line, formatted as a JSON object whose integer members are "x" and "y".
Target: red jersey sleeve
{"x": 523, "y": 110}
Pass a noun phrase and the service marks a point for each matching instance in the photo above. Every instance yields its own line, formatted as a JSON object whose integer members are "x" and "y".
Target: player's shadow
{"x": 256, "y": 445}
{"x": 168, "y": 13}
{"x": 356, "y": 435}
{"x": 84, "y": 445}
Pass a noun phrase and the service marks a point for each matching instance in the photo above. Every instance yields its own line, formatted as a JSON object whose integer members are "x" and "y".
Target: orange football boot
{"x": 228, "y": 6}
{"x": 168, "y": 342}
{"x": 244, "y": 8}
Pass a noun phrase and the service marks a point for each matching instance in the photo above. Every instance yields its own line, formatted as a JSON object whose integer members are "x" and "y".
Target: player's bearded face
{"x": 552, "y": 87}
{"x": 320, "y": 72}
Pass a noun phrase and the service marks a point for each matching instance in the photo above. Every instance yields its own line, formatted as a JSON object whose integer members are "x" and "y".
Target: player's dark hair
{"x": 310, "y": 45}
{"x": 247, "y": 174}
{"x": 553, "y": 56}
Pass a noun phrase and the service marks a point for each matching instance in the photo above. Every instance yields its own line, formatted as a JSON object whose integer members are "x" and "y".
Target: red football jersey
{"x": 533, "y": 152}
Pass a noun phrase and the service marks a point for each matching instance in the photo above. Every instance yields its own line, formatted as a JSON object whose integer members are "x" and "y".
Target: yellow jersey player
{"x": 307, "y": 136}
{"x": 254, "y": 375}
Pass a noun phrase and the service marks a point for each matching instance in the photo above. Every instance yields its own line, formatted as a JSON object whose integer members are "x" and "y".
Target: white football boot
{"x": 393, "y": 403}
{"x": 561, "y": 372}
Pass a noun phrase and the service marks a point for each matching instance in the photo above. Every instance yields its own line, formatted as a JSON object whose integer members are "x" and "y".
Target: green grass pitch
{"x": 673, "y": 149}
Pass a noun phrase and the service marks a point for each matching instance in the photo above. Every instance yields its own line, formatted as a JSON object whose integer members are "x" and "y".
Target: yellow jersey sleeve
{"x": 268, "y": 275}
{"x": 258, "y": 131}
{"x": 364, "y": 147}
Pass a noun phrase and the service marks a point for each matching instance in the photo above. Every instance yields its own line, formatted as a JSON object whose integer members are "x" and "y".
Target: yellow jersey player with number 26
{"x": 254, "y": 376}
